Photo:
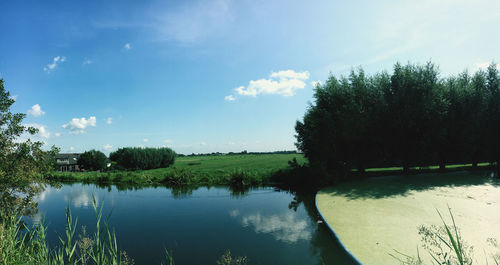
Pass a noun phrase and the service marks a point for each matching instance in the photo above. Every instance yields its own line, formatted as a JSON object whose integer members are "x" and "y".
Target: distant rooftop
{"x": 67, "y": 158}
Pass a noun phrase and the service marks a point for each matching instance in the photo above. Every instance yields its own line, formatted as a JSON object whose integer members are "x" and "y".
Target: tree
{"x": 415, "y": 111}
{"x": 22, "y": 160}
{"x": 93, "y": 160}
{"x": 493, "y": 115}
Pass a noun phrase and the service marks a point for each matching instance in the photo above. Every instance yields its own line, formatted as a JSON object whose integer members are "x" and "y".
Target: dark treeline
{"x": 411, "y": 117}
{"x": 135, "y": 158}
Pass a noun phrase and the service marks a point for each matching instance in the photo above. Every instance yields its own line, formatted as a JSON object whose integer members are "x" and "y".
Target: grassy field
{"x": 224, "y": 169}
{"x": 378, "y": 216}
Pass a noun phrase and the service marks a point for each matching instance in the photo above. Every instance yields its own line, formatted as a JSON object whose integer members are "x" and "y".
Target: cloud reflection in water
{"x": 285, "y": 227}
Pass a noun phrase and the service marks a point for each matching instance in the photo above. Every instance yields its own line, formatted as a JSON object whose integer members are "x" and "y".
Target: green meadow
{"x": 209, "y": 170}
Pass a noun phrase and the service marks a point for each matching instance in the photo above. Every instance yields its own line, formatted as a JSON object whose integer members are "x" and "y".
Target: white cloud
{"x": 72, "y": 148}
{"x": 315, "y": 83}
{"x": 107, "y": 147}
{"x": 57, "y": 134}
{"x": 78, "y": 126}
{"x": 145, "y": 140}
{"x": 36, "y": 111}
{"x": 283, "y": 83}
{"x": 109, "y": 120}
{"x": 203, "y": 143}
{"x": 484, "y": 65}
{"x": 55, "y": 62}
{"x": 127, "y": 47}
{"x": 42, "y": 129}
{"x": 229, "y": 98}
{"x": 87, "y": 62}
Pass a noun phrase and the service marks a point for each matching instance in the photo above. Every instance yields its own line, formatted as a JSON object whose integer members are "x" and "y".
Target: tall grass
{"x": 445, "y": 246}
{"x": 20, "y": 244}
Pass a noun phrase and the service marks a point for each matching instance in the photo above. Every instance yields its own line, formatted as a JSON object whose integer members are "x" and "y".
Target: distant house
{"x": 68, "y": 162}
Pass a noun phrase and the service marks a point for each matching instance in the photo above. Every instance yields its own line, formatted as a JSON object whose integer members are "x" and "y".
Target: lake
{"x": 198, "y": 225}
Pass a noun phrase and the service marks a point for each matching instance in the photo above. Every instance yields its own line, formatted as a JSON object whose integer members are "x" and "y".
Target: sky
{"x": 205, "y": 76}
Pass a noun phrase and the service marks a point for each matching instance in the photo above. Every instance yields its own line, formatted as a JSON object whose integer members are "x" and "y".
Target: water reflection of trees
{"x": 323, "y": 243}
{"x": 178, "y": 191}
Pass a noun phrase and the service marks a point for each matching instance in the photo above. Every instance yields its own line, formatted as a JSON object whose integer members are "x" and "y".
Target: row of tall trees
{"x": 134, "y": 158}
{"x": 410, "y": 117}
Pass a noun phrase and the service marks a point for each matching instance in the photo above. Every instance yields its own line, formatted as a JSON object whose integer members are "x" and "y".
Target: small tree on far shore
{"x": 93, "y": 160}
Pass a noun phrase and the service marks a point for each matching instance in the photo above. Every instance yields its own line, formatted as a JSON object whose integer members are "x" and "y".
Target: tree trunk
{"x": 406, "y": 168}
{"x": 497, "y": 169}
{"x": 442, "y": 167}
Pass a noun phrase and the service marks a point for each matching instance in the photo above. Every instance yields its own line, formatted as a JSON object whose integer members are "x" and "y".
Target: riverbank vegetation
{"x": 20, "y": 244}
{"x": 411, "y": 117}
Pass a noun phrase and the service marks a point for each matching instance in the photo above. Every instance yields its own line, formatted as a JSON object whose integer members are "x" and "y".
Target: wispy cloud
{"x": 55, "y": 62}
{"x": 87, "y": 61}
{"x": 36, "y": 111}
{"x": 229, "y": 98}
{"x": 193, "y": 22}
{"x": 145, "y": 140}
{"x": 107, "y": 147}
{"x": 188, "y": 22}
{"x": 79, "y": 126}
{"x": 284, "y": 83}
{"x": 127, "y": 47}
{"x": 109, "y": 120}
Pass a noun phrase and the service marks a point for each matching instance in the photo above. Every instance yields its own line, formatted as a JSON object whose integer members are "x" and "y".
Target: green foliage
{"x": 135, "y": 158}
{"x": 22, "y": 160}
{"x": 93, "y": 160}
{"x": 409, "y": 118}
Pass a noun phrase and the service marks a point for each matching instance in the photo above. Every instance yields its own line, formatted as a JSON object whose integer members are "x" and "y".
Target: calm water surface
{"x": 197, "y": 226}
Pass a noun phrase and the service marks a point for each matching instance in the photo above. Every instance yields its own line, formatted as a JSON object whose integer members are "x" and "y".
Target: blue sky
{"x": 208, "y": 76}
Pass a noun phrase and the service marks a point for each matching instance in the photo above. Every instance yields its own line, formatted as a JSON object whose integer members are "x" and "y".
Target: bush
{"x": 93, "y": 160}
{"x": 135, "y": 158}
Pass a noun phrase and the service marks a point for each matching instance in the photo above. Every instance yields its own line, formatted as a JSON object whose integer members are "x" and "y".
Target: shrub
{"x": 93, "y": 160}
{"x": 135, "y": 158}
